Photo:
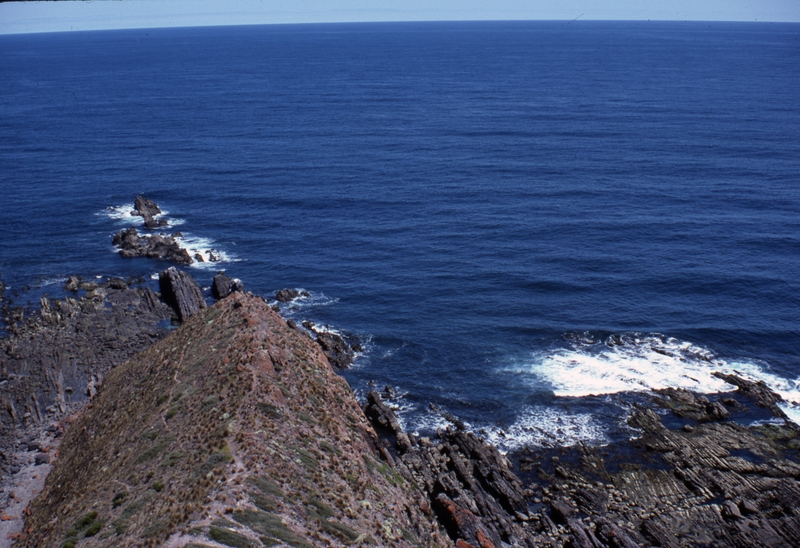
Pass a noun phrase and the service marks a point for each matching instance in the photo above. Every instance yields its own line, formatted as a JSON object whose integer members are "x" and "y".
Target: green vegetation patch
{"x": 122, "y": 523}
{"x": 209, "y": 402}
{"x": 216, "y": 459}
{"x": 319, "y": 508}
{"x": 263, "y": 502}
{"x": 330, "y": 448}
{"x": 270, "y": 525}
{"x": 269, "y": 410}
{"x": 93, "y": 529}
{"x": 780, "y": 435}
{"x": 172, "y": 457}
{"x": 85, "y": 521}
{"x": 307, "y": 459}
{"x": 230, "y": 538}
{"x": 118, "y": 499}
{"x": 155, "y": 450}
{"x": 155, "y": 529}
{"x": 340, "y": 530}
{"x": 383, "y": 469}
{"x": 266, "y": 485}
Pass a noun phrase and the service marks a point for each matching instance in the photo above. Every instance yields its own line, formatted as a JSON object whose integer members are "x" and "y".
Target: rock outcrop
{"x": 52, "y": 359}
{"x": 233, "y": 431}
{"x": 288, "y": 295}
{"x": 181, "y": 292}
{"x": 711, "y": 482}
{"x": 148, "y": 209}
{"x": 154, "y": 246}
{"x": 223, "y": 285}
{"x": 339, "y": 350}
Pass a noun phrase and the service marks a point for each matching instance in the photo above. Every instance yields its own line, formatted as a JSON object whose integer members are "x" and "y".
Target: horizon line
{"x": 577, "y": 20}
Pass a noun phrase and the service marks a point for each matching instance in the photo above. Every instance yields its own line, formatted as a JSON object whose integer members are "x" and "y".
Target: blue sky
{"x": 18, "y": 17}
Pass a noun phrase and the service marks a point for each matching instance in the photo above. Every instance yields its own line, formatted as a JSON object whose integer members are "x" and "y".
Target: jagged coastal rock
{"x": 47, "y": 360}
{"x": 340, "y": 352}
{"x": 288, "y": 295}
{"x": 148, "y": 209}
{"x": 234, "y": 431}
{"x": 711, "y": 482}
{"x": 181, "y": 292}
{"x": 153, "y": 246}
{"x": 223, "y": 285}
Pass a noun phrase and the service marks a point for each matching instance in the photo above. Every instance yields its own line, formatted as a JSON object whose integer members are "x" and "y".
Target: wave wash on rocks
{"x": 232, "y": 431}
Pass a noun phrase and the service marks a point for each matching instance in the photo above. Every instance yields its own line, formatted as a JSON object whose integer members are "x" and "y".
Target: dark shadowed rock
{"x": 287, "y": 295}
{"x": 73, "y": 284}
{"x": 223, "y": 285}
{"x": 148, "y": 209}
{"x": 181, "y": 292}
{"x": 50, "y": 357}
{"x": 154, "y": 246}
{"x": 340, "y": 352}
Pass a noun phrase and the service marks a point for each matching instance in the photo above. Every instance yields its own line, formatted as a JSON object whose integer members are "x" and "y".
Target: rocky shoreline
{"x": 299, "y": 463}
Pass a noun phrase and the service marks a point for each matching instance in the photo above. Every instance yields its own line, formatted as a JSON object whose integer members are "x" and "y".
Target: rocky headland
{"x": 235, "y": 430}
{"x": 121, "y": 429}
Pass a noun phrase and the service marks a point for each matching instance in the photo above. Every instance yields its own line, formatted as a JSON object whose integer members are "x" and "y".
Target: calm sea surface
{"x": 491, "y": 207}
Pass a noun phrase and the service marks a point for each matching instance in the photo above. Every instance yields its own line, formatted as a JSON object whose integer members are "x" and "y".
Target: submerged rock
{"x": 181, "y": 292}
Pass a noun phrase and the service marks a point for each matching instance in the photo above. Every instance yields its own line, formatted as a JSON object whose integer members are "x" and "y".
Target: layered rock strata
{"x": 710, "y": 482}
{"x": 233, "y": 431}
{"x": 181, "y": 292}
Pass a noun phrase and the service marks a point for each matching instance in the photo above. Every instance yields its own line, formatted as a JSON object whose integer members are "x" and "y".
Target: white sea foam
{"x": 207, "y": 249}
{"x": 313, "y": 299}
{"x": 644, "y": 363}
{"x": 547, "y": 427}
{"x": 124, "y": 214}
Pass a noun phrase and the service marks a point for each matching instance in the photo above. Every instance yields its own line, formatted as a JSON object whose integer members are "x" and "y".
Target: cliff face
{"x": 233, "y": 431}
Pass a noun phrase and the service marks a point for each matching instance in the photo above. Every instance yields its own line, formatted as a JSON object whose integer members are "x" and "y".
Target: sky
{"x": 24, "y": 17}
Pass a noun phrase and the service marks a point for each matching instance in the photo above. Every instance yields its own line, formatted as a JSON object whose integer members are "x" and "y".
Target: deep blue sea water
{"x": 485, "y": 204}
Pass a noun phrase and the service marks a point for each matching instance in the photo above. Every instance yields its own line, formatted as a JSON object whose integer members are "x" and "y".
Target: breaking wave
{"x": 639, "y": 363}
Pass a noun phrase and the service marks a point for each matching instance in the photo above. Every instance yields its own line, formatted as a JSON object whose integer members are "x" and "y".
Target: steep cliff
{"x": 233, "y": 431}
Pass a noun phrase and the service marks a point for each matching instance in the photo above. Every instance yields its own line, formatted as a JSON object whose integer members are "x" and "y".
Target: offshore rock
{"x": 148, "y": 209}
{"x": 222, "y": 286}
{"x": 181, "y": 292}
{"x": 154, "y": 246}
{"x": 233, "y": 431}
{"x": 288, "y": 295}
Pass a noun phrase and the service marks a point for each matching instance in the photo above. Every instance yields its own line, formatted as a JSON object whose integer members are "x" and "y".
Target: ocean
{"x": 530, "y": 225}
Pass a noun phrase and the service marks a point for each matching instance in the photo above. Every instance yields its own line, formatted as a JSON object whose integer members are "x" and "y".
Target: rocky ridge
{"x": 234, "y": 431}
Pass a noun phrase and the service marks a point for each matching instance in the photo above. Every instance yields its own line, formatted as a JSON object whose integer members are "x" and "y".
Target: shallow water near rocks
{"x": 489, "y": 206}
